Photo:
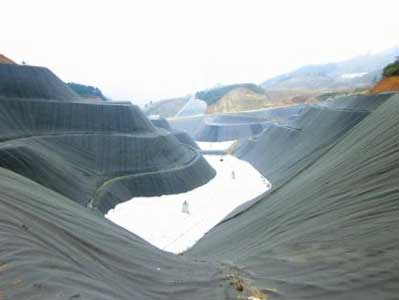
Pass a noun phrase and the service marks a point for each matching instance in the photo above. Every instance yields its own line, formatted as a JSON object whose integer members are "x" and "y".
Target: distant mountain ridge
{"x": 307, "y": 84}
{"x": 359, "y": 71}
{"x": 220, "y": 99}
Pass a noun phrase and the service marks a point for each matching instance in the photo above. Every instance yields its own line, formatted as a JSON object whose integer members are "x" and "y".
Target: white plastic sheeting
{"x": 160, "y": 220}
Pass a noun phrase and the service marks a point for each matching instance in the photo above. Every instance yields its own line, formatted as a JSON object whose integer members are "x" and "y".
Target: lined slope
{"x": 228, "y": 128}
{"x": 281, "y": 151}
{"x": 182, "y": 136}
{"x": 196, "y": 124}
{"x": 96, "y": 154}
{"x": 327, "y": 230}
{"x": 28, "y": 82}
{"x": 53, "y": 248}
{"x": 330, "y": 232}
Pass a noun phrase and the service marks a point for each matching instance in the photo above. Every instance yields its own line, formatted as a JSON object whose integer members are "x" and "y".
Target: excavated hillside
{"x": 240, "y": 99}
{"x": 386, "y": 84}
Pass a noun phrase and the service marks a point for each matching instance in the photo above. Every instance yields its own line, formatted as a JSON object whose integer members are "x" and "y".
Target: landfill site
{"x": 310, "y": 209}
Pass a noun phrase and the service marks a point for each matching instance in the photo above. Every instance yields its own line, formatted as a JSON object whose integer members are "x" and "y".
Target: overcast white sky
{"x": 151, "y": 49}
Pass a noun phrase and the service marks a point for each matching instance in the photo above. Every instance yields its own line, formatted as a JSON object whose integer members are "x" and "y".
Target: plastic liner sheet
{"x": 330, "y": 232}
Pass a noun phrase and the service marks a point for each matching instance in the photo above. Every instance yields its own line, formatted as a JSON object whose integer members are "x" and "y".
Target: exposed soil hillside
{"x": 239, "y": 99}
{"x": 386, "y": 84}
{"x": 5, "y": 60}
{"x": 212, "y": 96}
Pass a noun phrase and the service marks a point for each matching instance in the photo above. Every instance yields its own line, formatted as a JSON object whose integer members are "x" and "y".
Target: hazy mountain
{"x": 309, "y": 83}
{"x": 357, "y": 72}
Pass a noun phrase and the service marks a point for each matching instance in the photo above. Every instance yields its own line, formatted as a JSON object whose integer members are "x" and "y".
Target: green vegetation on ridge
{"x": 211, "y": 96}
{"x": 87, "y": 91}
{"x": 391, "y": 69}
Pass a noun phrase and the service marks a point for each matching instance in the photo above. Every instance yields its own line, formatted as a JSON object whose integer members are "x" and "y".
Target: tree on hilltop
{"x": 392, "y": 69}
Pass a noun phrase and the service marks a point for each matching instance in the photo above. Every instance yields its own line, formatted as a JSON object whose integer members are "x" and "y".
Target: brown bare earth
{"x": 386, "y": 84}
{"x": 5, "y": 60}
{"x": 242, "y": 99}
{"x": 239, "y": 99}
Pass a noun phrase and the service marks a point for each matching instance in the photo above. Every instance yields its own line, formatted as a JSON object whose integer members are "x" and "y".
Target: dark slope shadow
{"x": 331, "y": 231}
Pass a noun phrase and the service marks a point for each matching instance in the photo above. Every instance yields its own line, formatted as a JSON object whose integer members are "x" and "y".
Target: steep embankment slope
{"x": 330, "y": 230}
{"x": 59, "y": 156}
{"x": 96, "y": 154}
{"x": 182, "y": 136}
{"x": 282, "y": 151}
{"x": 222, "y": 123}
{"x": 327, "y": 230}
{"x": 53, "y": 248}
{"x": 223, "y": 128}
{"x": 28, "y": 82}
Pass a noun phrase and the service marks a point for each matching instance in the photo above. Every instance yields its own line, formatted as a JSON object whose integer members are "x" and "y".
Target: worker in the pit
{"x": 184, "y": 209}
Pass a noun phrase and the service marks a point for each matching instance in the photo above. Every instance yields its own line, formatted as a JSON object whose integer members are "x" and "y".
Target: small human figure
{"x": 233, "y": 175}
{"x": 184, "y": 209}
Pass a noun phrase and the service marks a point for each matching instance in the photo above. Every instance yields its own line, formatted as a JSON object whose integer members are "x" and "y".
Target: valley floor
{"x": 162, "y": 220}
